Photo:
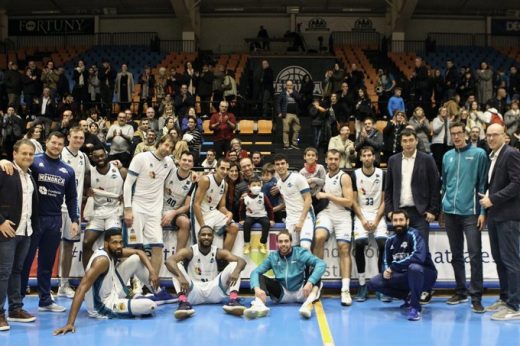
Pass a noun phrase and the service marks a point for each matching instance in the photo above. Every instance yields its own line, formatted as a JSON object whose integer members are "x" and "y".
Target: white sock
{"x": 345, "y": 284}
{"x": 64, "y": 282}
{"x": 311, "y": 297}
{"x": 361, "y": 279}
{"x": 258, "y": 302}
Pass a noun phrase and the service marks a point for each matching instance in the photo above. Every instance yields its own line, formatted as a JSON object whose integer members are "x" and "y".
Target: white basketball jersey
{"x": 203, "y": 268}
{"x": 151, "y": 174}
{"x": 369, "y": 189}
{"x": 80, "y": 165}
{"x": 291, "y": 190}
{"x": 110, "y": 182}
{"x": 255, "y": 206}
{"x": 176, "y": 190}
{"x": 214, "y": 194}
{"x": 105, "y": 289}
{"x": 334, "y": 187}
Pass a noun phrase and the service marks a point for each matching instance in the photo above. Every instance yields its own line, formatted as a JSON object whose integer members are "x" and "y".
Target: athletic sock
{"x": 183, "y": 298}
{"x": 345, "y": 284}
{"x": 64, "y": 282}
{"x": 362, "y": 280}
{"x": 258, "y": 302}
{"x": 233, "y": 295}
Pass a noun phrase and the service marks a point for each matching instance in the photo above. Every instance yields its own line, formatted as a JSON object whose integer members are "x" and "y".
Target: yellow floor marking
{"x": 326, "y": 335}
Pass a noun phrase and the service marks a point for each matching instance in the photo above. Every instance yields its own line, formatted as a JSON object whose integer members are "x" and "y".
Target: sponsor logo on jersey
{"x": 63, "y": 170}
{"x": 50, "y": 178}
{"x": 43, "y": 190}
{"x": 404, "y": 244}
{"x": 41, "y": 164}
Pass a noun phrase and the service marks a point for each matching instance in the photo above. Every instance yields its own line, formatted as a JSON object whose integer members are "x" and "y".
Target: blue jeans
{"x": 416, "y": 280}
{"x": 46, "y": 239}
{"x": 504, "y": 238}
{"x": 456, "y": 227}
{"x": 12, "y": 257}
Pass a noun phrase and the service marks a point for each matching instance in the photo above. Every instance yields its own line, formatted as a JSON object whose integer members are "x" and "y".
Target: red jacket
{"x": 223, "y": 131}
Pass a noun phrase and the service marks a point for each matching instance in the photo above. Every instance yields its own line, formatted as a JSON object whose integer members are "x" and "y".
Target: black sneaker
{"x": 184, "y": 311}
{"x": 234, "y": 307}
{"x": 457, "y": 299}
{"x": 426, "y": 297}
{"x": 476, "y": 306}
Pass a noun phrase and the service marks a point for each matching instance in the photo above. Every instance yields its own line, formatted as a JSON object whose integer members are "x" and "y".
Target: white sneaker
{"x": 52, "y": 308}
{"x": 66, "y": 291}
{"x": 306, "y": 310}
{"x": 506, "y": 314}
{"x": 256, "y": 310}
{"x": 346, "y": 299}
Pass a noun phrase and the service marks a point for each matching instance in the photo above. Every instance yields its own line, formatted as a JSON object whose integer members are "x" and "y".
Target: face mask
{"x": 399, "y": 230}
{"x": 255, "y": 190}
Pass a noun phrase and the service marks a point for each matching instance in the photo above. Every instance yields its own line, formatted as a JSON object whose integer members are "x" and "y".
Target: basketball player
{"x": 296, "y": 194}
{"x": 106, "y": 186}
{"x": 201, "y": 282}
{"x": 143, "y": 199}
{"x": 336, "y": 217}
{"x": 177, "y": 197}
{"x": 369, "y": 206}
{"x": 208, "y": 207}
{"x": 79, "y": 162}
{"x": 103, "y": 283}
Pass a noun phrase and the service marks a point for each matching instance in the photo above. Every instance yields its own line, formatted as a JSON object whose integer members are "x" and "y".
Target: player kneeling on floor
{"x": 288, "y": 286}
{"x": 200, "y": 282}
{"x": 103, "y": 285}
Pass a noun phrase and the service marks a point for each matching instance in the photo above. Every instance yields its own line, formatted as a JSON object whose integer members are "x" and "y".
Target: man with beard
{"x": 409, "y": 269}
{"x": 200, "y": 282}
{"x": 102, "y": 284}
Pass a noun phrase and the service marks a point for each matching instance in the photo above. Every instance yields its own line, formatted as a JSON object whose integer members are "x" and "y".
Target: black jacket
{"x": 13, "y": 82}
{"x": 11, "y": 200}
{"x": 505, "y": 186}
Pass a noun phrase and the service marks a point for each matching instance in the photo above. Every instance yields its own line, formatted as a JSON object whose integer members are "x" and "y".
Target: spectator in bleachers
{"x": 184, "y": 122}
{"x": 441, "y": 138}
{"x": 205, "y": 89}
{"x": 236, "y": 147}
{"x": 356, "y": 78}
{"x": 500, "y": 80}
{"x": 12, "y": 130}
{"x": 170, "y": 123}
{"x": 233, "y": 179}
{"x": 288, "y": 108}
{"x": 3, "y": 96}
{"x": 194, "y": 138}
{"x": 141, "y": 132}
{"x": 130, "y": 119}
{"x": 147, "y": 83}
{"x": 183, "y": 101}
{"x": 514, "y": 83}
{"x": 94, "y": 129}
{"x": 94, "y": 117}
{"x": 232, "y": 157}
{"x": 148, "y": 144}
{"x": 229, "y": 86}
{"x": 91, "y": 140}
{"x": 476, "y": 118}
{"x": 65, "y": 124}
{"x": 175, "y": 135}
{"x": 44, "y": 109}
{"x": 257, "y": 159}
{"x": 272, "y": 192}
{"x": 107, "y": 77}
{"x": 436, "y": 84}
{"x": 307, "y": 92}
{"x": 80, "y": 77}
{"x": 338, "y": 76}
{"x": 180, "y": 147}
{"x": 421, "y": 85}
{"x": 315, "y": 174}
{"x": 63, "y": 86}
{"x": 484, "y": 76}
{"x": 451, "y": 79}
{"x": 421, "y": 126}
{"x": 327, "y": 85}
{"x": 120, "y": 136}
{"x": 123, "y": 87}
{"x": 50, "y": 78}
{"x": 190, "y": 77}
{"x": 153, "y": 122}
{"x": 210, "y": 162}
{"x": 218, "y": 85}
{"x": 475, "y": 140}
{"x": 392, "y": 134}
{"x": 68, "y": 103}
{"x": 338, "y": 111}
{"x": 166, "y": 107}
{"x": 174, "y": 81}
{"x": 93, "y": 88}
{"x": 13, "y": 85}
{"x": 31, "y": 85}
{"x": 452, "y": 106}
{"x": 370, "y": 136}
{"x": 512, "y": 118}
{"x": 344, "y": 145}
{"x": 467, "y": 86}
{"x": 263, "y": 37}
{"x": 161, "y": 85}
{"x": 34, "y": 134}
{"x": 499, "y": 102}
{"x": 223, "y": 125}
{"x": 264, "y": 85}
{"x": 384, "y": 88}
{"x": 247, "y": 172}
{"x": 363, "y": 109}
{"x": 396, "y": 103}
{"x": 346, "y": 98}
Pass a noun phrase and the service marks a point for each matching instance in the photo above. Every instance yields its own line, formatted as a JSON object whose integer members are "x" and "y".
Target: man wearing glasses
{"x": 464, "y": 176}
{"x": 223, "y": 125}
{"x": 287, "y": 107}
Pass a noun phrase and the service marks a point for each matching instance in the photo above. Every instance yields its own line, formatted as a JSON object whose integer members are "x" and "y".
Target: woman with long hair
{"x": 232, "y": 180}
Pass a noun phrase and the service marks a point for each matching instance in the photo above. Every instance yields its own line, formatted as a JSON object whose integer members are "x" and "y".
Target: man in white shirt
{"x": 18, "y": 192}
{"x": 120, "y": 136}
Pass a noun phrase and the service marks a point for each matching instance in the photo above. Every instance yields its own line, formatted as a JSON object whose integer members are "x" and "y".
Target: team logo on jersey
{"x": 62, "y": 170}
{"x": 289, "y": 185}
{"x": 43, "y": 190}
{"x": 404, "y": 244}
{"x": 41, "y": 164}
{"x": 198, "y": 270}
{"x": 152, "y": 174}
{"x": 168, "y": 191}
{"x": 114, "y": 176}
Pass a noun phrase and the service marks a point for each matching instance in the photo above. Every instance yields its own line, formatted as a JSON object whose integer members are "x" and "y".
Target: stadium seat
{"x": 205, "y": 128}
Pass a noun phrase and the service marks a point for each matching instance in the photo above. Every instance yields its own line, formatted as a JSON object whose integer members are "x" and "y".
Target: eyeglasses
{"x": 455, "y": 134}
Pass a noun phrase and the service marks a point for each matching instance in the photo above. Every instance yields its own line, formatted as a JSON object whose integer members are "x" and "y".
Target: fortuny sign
{"x": 50, "y": 26}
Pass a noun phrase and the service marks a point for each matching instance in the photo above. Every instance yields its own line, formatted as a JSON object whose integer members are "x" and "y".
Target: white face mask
{"x": 255, "y": 190}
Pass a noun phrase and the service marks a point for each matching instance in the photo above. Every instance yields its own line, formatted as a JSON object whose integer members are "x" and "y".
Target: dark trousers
{"x": 504, "y": 238}
{"x": 46, "y": 240}
{"x": 221, "y": 147}
{"x": 359, "y": 254}
{"x": 205, "y": 102}
{"x": 417, "y": 279}
{"x": 12, "y": 257}
{"x": 125, "y": 158}
{"x": 249, "y": 221}
{"x": 456, "y": 227}
{"x": 419, "y": 222}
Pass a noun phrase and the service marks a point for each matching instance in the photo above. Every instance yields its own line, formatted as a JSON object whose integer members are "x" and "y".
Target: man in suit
{"x": 18, "y": 211}
{"x": 502, "y": 203}
{"x": 413, "y": 184}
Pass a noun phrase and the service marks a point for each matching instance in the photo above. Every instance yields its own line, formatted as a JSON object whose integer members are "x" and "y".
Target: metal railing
{"x": 187, "y": 46}
{"x": 353, "y": 38}
{"x": 480, "y": 40}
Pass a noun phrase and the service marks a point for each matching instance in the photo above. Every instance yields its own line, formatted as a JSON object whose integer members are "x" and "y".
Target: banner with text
{"x": 50, "y": 26}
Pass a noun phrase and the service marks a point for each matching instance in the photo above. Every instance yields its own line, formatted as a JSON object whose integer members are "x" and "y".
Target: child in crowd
{"x": 255, "y": 208}
{"x": 315, "y": 175}
{"x": 269, "y": 181}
